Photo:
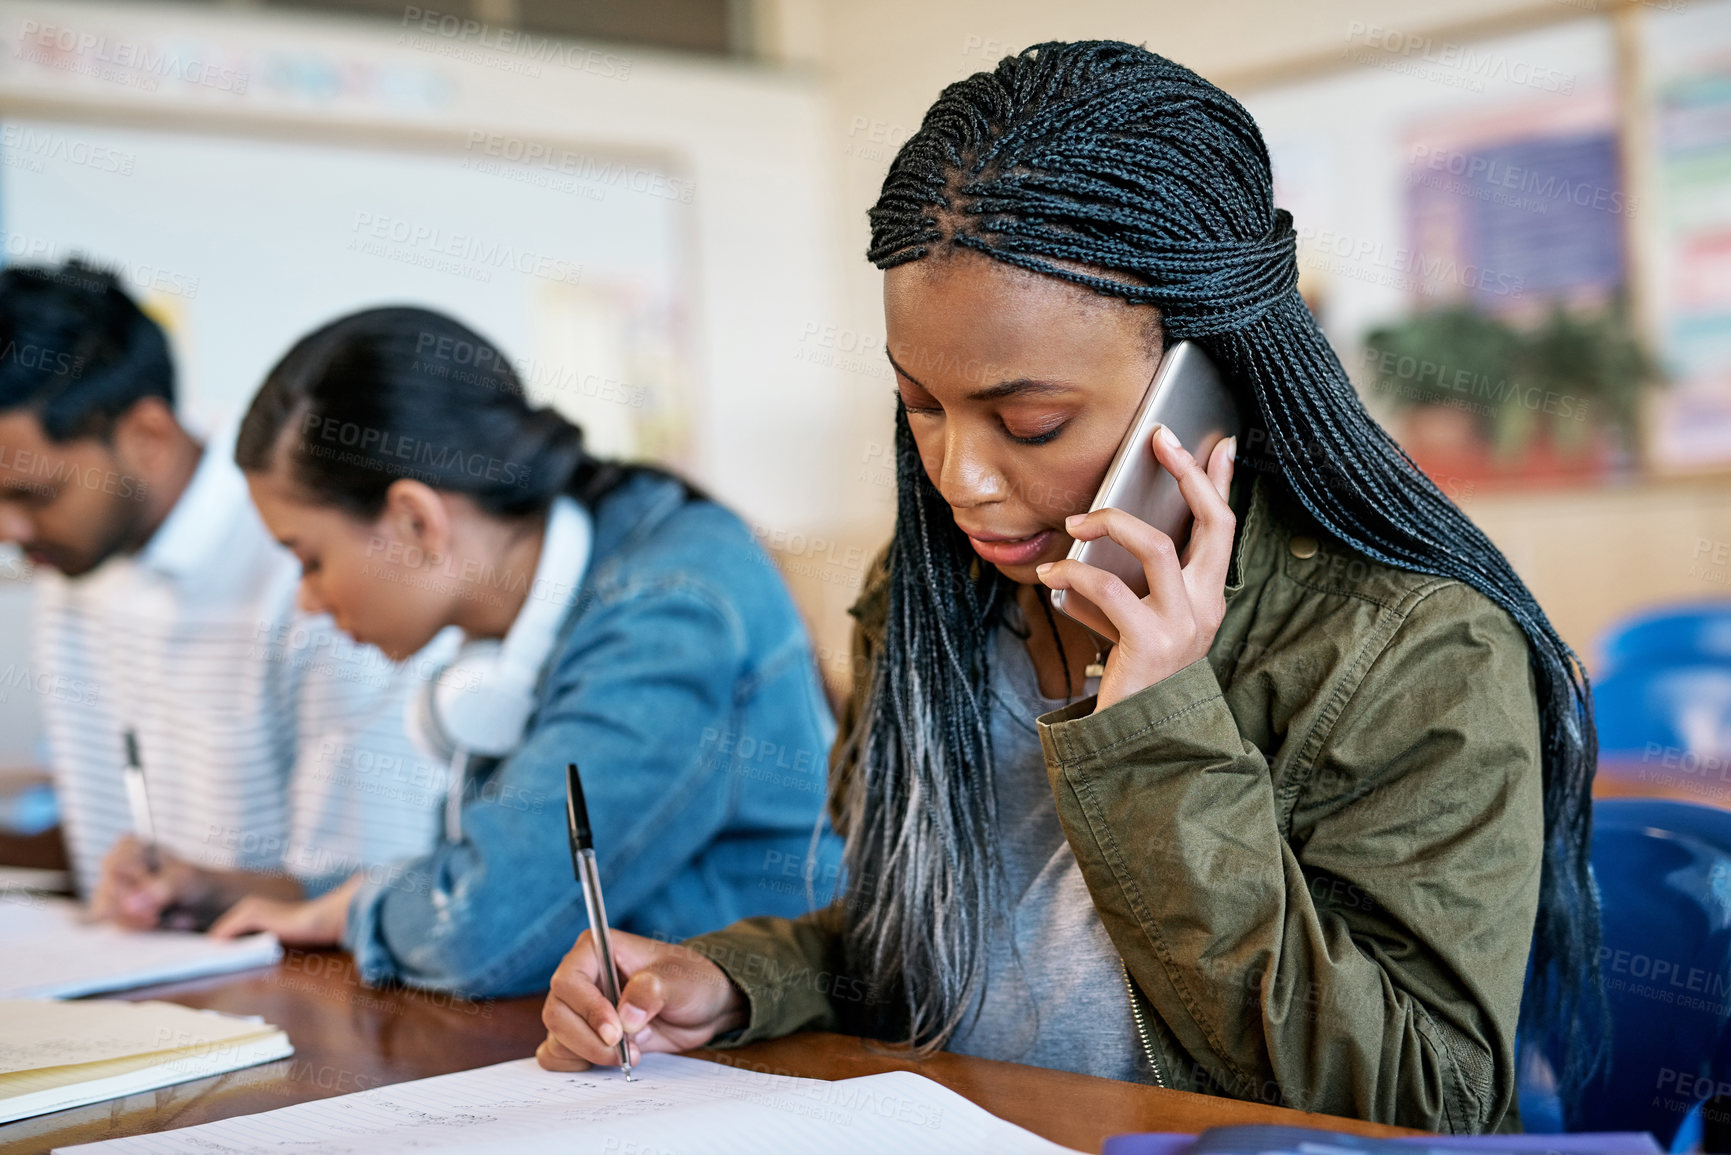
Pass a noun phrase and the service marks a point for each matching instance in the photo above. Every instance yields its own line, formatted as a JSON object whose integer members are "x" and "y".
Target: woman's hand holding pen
{"x": 139, "y": 885}
{"x": 673, "y": 999}
{"x": 1174, "y": 625}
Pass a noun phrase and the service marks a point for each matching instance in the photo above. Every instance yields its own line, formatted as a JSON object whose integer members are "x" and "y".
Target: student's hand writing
{"x": 1174, "y": 625}
{"x": 313, "y": 922}
{"x": 674, "y": 999}
{"x": 130, "y": 892}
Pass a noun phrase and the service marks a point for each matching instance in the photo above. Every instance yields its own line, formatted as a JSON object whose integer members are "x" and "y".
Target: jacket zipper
{"x": 1141, "y": 1024}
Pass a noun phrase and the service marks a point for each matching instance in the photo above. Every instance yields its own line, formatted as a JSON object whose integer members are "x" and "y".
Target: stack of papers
{"x": 56, "y": 1055}
{"x": 675, "y": 1104}
{"x": 47, "y": 950}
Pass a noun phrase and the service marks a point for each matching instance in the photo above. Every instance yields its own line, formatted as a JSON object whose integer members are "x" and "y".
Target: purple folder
{"x": 1278, "y": 1140}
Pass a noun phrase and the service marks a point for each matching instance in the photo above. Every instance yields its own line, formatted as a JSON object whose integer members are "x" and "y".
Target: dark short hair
{"x": 76, "y": 349}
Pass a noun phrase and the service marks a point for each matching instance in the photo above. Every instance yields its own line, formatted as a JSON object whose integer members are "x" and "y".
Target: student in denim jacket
{"x": 645, "y": 636}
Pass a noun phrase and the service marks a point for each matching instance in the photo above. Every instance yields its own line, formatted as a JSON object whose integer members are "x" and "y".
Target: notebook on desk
{"x": 47, "y": 950}
{"x": 58, "y": 1055}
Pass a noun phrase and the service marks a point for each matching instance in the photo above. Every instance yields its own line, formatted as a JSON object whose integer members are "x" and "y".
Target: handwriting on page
{"x": 680, "y": 1107}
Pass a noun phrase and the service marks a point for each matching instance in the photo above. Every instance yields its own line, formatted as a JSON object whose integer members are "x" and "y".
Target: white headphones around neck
{"x": 479, "y": 704}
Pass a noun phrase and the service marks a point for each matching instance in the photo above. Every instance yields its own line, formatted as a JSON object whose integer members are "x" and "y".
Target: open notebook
{"x": 48, "y": 951}
{"x": 56, "y": 1055}
{"x": 676, "y": 1104}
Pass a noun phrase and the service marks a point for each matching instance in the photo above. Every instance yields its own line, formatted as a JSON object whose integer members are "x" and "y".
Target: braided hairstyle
{"x": 1075, "y": 159}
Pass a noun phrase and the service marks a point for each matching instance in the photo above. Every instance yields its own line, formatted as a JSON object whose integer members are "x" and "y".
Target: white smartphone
{"x": 1189, "y": 398}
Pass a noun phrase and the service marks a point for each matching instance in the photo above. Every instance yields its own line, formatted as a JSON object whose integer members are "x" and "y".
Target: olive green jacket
{"x": 1317, "y": 850}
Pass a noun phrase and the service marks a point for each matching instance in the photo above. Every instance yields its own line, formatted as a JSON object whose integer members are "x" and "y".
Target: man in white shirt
{"x": 272, "y": 747}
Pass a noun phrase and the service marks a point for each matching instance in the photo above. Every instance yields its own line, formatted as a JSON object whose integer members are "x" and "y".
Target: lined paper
{"x": 677, "y": 1106}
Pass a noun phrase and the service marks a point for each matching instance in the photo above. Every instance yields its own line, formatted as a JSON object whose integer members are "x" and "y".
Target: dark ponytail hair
{"x": 403, "y": 392}
{"x": 1103, "y": 156}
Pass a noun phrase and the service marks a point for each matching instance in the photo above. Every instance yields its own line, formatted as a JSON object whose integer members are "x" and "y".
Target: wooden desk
{"x": 348, "y": 1038}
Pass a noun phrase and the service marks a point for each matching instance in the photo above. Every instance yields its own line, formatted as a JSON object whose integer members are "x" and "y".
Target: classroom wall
{"x": 1594, "y": 556}
{"x": 884, "y": 62}
{"x": 749, "y": 140}
{"x": 1591, "y": 556}
{"x": 787, "y": 157}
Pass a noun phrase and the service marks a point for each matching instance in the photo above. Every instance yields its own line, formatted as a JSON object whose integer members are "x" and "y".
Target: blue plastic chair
{"x": 1662, "y": 701}
{"x": 1669, "y": 723}
{"x": 1664, "y": 875}
{"x": 1680, "y": 633}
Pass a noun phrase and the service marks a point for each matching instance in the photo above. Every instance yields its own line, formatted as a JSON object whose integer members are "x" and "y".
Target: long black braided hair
{"x": 1104, "y": 156}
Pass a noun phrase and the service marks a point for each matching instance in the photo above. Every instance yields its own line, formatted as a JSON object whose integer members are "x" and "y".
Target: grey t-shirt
{"x": 1054, "y": 992}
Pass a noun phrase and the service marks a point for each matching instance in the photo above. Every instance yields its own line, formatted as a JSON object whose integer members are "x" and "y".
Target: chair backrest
{"x": 1664, "y": 874}
{"x": 1680, "y": 633}
{"x": 1666, "y": 721}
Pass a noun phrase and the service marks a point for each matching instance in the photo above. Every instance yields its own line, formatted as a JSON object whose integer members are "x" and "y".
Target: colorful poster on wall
{"x": 1527, "y": 203}
{"x": 1691, "y": 425}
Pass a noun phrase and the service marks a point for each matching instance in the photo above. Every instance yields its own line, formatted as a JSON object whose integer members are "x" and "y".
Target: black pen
{"x": 583, "y": 866}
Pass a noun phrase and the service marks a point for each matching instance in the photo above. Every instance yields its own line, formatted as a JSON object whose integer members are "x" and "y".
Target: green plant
{"x": 1573, "y": 372}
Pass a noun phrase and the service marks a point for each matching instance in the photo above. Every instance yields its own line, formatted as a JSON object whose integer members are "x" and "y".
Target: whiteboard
{"x": 572, "y": 263}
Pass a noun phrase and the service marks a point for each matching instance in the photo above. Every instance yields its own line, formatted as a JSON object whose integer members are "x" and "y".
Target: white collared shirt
{"x": 269, "y": 741}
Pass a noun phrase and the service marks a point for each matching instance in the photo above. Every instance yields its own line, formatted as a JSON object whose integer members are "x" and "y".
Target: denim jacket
{"x": 684, "y": 685}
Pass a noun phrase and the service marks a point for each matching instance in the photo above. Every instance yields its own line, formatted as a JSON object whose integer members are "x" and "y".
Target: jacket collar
{"x": 632, "y": 512}
{"x": 623, "y": 519}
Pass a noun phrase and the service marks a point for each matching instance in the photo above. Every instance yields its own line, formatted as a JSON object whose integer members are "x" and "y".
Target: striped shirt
{"x": 269, "y": 741}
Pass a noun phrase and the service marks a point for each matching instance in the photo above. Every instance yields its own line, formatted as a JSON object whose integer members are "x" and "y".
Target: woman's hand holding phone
{"x": 673, "y": 999}
{"x": 1175, "y": 624}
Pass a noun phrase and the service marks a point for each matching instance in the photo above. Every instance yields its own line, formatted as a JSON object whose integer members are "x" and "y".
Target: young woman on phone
{"x": 1296, "y": 844}
{"x": 611, "y": 616}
